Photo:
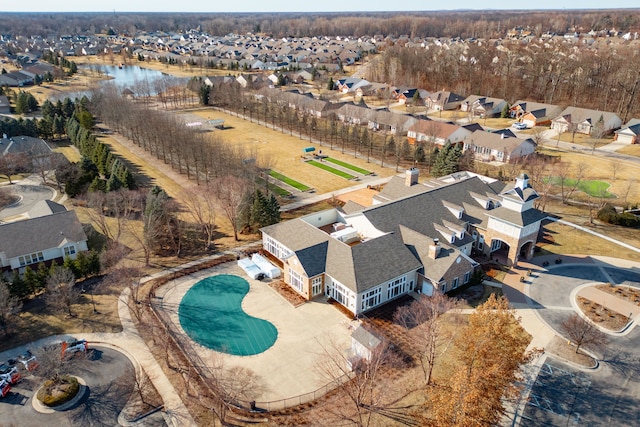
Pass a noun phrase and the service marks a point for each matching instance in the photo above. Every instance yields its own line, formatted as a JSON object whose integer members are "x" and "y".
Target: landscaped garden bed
{"x": 57, "y": 392}
{"x": 627, "y": 293}
{"x": 601, "y": 315}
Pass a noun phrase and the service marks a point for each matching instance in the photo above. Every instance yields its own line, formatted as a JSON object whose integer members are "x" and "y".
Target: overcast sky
{"x": 291, "y": 6}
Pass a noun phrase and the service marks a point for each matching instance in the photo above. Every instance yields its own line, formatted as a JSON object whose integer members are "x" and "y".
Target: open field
{"x": 284, "y": 151}
{"x": 67, "y": 149}
{"x": 602, "y": 169}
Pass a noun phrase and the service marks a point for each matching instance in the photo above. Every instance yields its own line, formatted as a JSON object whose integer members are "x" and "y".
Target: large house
{"x": 498, "y": 146}
{"x": 436, "y": 132}
{"x": 583, "y": 120}
{"x": 416, "y": 237}
{"x": 534, "y": 113}
{"x": 49, "y": 233}
{"x": 483, "y": 106}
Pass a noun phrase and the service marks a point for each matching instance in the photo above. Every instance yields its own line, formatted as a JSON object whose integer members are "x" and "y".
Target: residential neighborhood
{"x": 344, "y": 218}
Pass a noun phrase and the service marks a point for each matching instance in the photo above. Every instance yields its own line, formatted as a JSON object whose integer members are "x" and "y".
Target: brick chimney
{"x": 411, "y": 177}
{"x": 434, "y": 249}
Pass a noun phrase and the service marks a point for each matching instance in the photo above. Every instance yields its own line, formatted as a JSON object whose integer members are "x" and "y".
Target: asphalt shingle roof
{"x": 36, "y": 234}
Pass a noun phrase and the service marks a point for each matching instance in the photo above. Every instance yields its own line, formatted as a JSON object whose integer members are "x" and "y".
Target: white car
{"x": 69, "y": 348}
{"x": 9, "y": 374}
{"x": 28, "y": 360}
{"x": 519, "y": 125}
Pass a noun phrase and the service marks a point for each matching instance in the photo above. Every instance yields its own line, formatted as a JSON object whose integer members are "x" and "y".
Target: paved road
{"x": 109, "y": 379}
{"x": 564, "y": 394}
{"x": 30, "y": 192}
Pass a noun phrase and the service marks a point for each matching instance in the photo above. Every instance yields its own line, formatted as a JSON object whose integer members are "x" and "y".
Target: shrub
{"x": 609, "y": 215}
{"x": 55, "y": 393}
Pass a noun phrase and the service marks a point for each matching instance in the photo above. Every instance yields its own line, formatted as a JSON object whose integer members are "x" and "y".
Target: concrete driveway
{"x": 30, "y": 192}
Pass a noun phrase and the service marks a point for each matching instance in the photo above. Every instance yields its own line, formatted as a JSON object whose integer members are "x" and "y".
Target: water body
{"x": 141, "y": 81}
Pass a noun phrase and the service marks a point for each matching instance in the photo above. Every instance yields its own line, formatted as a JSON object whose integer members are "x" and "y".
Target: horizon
{"x": 282, "y": 6}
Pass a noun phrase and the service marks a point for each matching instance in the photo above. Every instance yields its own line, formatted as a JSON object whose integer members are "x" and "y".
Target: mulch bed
{"x": 625, "y": 292}
{"x": 561, "y": 348}
{"x": 287, "y": 293}
{"x": 601, "y": 315}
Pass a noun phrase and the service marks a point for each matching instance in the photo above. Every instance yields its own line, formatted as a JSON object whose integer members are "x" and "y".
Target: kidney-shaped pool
{"x": 211, "y": 314}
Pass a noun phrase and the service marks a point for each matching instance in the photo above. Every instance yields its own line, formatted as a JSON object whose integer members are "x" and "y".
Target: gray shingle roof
{"x": 373, "y": 262}
{"x": 44, "y": 208}
{"x": 36, "y": 234}
{"x": 421, "y": 211}
{"x": 296, "y": 234}
{"x": 313, "y": 258}
{"x": 518, "y": 218}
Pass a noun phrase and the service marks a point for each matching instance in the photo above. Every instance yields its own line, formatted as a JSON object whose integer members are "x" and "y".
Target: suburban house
{"x": 534, "y": 113}
{"x": 436, "y": 132}
{"x": 34, "y": 147}
{"x": 443, "y": 100}
{"x": 630, "y": 132}
{"x": 482, "y": 106}
{"x": 415, "y": 237}
{"x": 391, "y": 123}
{"x": 498, "y": 147}
{"x": 5, "y": 107}
{"x": 583, "y": 121}
{"x": 15, "y": 79}
{"x": 351, "y": 85}
{"x": 49, "y": 233}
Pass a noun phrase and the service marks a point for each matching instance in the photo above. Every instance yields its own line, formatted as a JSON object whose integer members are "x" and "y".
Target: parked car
{"x": 5, "y": 387}
{"x": 28, "y": 360}
{"x": 519, "y": 125}
{"x": 9, "y": 373}
{"x": 69, "y": 348}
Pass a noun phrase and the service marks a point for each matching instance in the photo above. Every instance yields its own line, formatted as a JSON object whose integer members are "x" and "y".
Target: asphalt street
{"x": 565, "y": 394}
{"x": 109, "y": 378}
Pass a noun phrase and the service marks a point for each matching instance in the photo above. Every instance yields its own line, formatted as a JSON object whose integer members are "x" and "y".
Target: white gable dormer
{"x": 456, "y": 210}
{"x": 448, "y": 235}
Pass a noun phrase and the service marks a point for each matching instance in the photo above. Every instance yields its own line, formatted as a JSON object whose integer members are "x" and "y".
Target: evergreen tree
{"x": 505, "y": 111}
{"x": 18, "y": 287}
{"x": 330, "y": 84}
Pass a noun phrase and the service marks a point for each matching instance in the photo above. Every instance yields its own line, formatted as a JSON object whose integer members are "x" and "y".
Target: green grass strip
{"x": 274, "y": 188}
{"x": 594, "y": 188}
{"x": 295, "y": 184}
{"x": 349, "y": 166}
{"x": 330, "y": 169}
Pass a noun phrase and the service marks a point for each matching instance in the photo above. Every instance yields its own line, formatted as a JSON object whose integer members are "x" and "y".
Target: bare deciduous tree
{"x": 583, "y": 332}
{"x": 616, "y": 168}
{"x": 230, "y": 192}
{"x": 367, "y": 387}
{"x": 10, "y": 306}
{"x": 61, "y": 290}
{"x": 200, "y": 202}
{"x": 422, "y": 319}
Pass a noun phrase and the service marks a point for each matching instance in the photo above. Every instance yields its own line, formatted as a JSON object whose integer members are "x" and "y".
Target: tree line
{"x": 564, "y": 74}
{"x": 479, "y": 23}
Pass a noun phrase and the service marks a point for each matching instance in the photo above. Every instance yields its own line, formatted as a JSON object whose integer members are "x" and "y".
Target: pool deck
{"x": 287, "y": 369}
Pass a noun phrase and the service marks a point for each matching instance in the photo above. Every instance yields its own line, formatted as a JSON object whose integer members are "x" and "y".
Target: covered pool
{"x": 211, "y": 314}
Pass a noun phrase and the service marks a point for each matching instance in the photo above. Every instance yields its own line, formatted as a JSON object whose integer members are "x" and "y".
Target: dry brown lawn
{"x": 563, "y": 240}
{"x": 599, "y": 168}
{"x": 67, "y": 149}
{"x": 630, "y": 150}
{"x": 284, "y": 151}
{"x": 586, "y": 140}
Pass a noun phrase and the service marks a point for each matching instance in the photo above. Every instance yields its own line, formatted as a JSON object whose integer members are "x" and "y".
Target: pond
{"x": 141, "y": 81}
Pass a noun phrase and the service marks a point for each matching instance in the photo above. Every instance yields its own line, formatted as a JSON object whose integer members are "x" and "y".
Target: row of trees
{"x": 563, "y": 74}
{"x": 347, "y": 136}
{"x": 113, "y": 173}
